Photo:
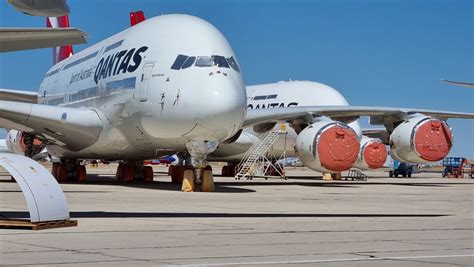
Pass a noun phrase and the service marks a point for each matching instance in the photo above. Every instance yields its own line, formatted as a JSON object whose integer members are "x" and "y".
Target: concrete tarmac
{"x": 419, "y": 221}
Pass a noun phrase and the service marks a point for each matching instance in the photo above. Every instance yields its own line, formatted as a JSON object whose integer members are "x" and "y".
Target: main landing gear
{"x": 69, "y": 171}
{"x": 75, "y": 171}
{"x": 229, "y": 170}
{"x": 128, "y": 171}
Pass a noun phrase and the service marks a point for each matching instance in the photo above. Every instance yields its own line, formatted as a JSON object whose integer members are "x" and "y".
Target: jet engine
{"x": 421, "y": 139}
{"x": 328, "y": 146}
{"x": 372, "y": 154}
{"x": 16, "y": 143}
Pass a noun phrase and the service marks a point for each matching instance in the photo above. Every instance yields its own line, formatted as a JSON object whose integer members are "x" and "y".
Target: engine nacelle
{"x": 372, "y": 154}
{"x": 421, "y": 139}
{"x": 15, "y": 143}
{"x": 328, "y": 146}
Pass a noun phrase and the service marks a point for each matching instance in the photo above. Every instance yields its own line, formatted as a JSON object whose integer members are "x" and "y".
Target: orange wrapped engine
{"x": 421, "y": 139}
{"x": 328, "y": 146}
{"x": 372, "y": 154}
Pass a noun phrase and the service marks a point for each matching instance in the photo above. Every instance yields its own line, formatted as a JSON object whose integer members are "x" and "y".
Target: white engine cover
{"x": 372, "y": 154}
{"x": 13, "y": 142}
{"x": 421, "y": 139}
{"x": 328, "y": 146}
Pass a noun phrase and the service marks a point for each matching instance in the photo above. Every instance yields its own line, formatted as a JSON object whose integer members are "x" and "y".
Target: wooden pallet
{"x": 26, "y": 224}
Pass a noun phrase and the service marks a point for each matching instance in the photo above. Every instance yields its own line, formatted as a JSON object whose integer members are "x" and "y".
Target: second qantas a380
{"x": 172, "y": 84}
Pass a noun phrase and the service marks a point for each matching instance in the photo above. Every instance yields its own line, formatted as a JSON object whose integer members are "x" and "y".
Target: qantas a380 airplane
{"x": 172, "y": 84}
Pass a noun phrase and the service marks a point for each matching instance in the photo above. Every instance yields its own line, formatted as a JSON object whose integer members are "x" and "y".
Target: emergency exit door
{"x": 145, "y": 81}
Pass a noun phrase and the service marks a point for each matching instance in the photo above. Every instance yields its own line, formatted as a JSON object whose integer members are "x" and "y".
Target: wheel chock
{"x": 327, "y": 176}
{"x": 207, "y": 181}
{"x": 188, "y": 181}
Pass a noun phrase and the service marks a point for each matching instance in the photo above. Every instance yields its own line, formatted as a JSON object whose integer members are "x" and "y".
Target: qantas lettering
{"x": 119, "y": 62}
{"x": 272, "y": 105}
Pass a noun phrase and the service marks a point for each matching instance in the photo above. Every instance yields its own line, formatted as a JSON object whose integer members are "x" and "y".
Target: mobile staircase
{"x": 355, "y": 174}
{"x": 257, "y": 162}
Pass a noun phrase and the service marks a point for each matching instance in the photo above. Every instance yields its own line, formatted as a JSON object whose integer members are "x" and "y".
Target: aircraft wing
{"x": 19, "y": 96}
{"x": 378, "y": 115}
{"x": 381, "y": 134}
{"x": 471, "y": 85}
{"x": 72, "y": 128}
{"x": 15, "y": 39}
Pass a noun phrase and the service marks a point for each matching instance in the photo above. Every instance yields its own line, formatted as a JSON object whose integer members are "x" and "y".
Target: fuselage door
{"x": 145, "y": 80}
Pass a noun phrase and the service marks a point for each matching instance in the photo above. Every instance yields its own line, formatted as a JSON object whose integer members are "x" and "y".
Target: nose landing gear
{"x": 196, "y": 171}
{"x": 185, "y": 175}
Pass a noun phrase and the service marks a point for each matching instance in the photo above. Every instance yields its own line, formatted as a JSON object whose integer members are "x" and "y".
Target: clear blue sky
{"x": 381, "y": 53}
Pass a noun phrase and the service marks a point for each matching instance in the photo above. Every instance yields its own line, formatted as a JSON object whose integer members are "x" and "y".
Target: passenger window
{"x": 188, "y": 63}
{"x": 272, "y": 97}
{"x": 179, "y": 62}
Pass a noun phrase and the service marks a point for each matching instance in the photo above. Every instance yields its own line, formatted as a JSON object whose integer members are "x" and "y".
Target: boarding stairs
{"x": 255, "y": 161}
{"x": 355, "y": 174}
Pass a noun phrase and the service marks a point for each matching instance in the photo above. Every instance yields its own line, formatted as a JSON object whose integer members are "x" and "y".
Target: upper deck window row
{"x": 113, "y": 46}
{"x": 79, "y": 61}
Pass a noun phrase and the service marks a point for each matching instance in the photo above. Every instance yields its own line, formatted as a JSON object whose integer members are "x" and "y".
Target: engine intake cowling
{"x": 372, "y": 154}
{"x": 16, "y": 143}
{"x": 328, "y": 146}
{"x": 421, "y": 139}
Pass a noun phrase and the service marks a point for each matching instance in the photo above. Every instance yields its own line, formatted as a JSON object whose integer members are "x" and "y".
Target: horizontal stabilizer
{"x": 16, "y": 39}
{"x": 72, "y": 128}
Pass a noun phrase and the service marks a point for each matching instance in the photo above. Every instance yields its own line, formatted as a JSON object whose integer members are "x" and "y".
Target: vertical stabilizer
{"x": 136, "y": 17}
{"x": 62, "y": 52}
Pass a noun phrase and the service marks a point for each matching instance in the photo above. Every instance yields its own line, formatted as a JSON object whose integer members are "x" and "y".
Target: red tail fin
{"x": 136, "y": 17}
{"x": 64, "y": 51}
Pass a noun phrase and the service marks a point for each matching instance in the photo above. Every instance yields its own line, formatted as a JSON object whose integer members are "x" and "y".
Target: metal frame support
{"x": 44, "y": 197}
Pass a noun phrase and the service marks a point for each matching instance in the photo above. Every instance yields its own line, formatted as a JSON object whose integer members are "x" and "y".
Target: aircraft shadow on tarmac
{"x": 168, "y": 186}
{"x": 235, "y": 186}
{"x": 107, "y": 214}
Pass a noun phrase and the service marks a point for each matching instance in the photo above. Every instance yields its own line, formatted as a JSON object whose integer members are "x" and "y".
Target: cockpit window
{"x": 233, "y": 64}
{"x": 179, "y": 62}
{"x": 188, "y": 63}
{"x": 204, "y": 62}
{"x": 212, "y": 61}
{"x": 220, "y": 61}
{"x": 184, "y": 62}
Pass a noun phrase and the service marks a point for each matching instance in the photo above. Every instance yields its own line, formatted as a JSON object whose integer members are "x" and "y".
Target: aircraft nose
{"x": 221, "y": 106}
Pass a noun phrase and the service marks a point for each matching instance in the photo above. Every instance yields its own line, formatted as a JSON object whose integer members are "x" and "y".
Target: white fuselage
{"x": 3, "y": 146}
{"x": 281, "y": 94}
{"x": 151, "y": 107}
